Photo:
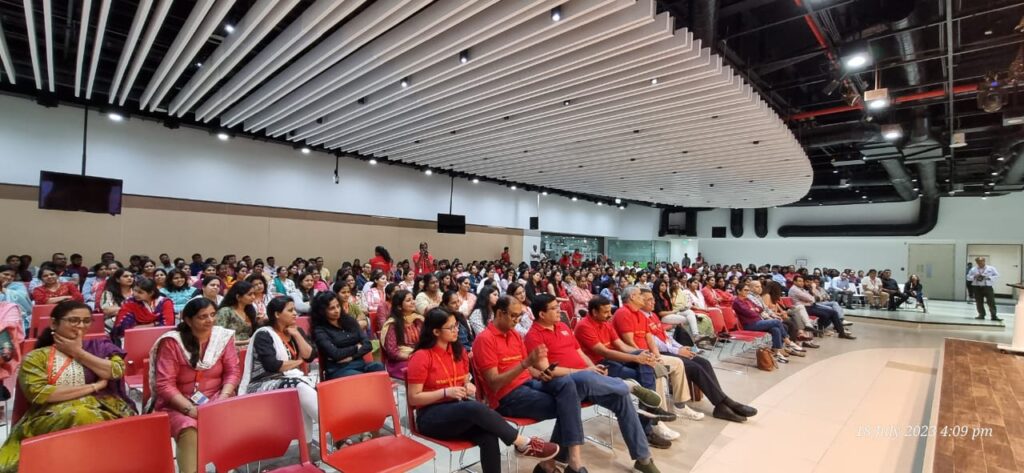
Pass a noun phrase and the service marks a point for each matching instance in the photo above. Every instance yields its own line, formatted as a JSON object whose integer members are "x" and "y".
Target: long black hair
{"x": 148, "y": 286}
{"x": 435, "y": 320}
{"x": 459, "y": 316}
{"x": 483, "y": 304}
{"x": 276, "y": 306}
{"x": 397, "y": 317}
{"x": 662, "y": 301}
{"x": 188, "y": 339}
{"x": 240, "y": 288}
{"x": 62, "y": 309}
{"x": 170, "y": 287}
{"x": 114, "y": 286}
{"x": 318, "y": 312}
{"x": 426, "y": 278}
{"x": 383, "y": 252}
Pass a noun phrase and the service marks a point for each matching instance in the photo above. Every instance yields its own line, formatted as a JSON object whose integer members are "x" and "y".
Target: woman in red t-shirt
{"x": 381, "y": 260}
{"x": 440, "y": 390}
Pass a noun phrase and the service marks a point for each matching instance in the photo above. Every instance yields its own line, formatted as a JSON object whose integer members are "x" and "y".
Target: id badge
{"x": 198, "y": 398}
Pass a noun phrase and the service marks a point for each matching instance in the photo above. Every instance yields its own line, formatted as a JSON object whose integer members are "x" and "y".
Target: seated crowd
{"x": 536, "y": 341}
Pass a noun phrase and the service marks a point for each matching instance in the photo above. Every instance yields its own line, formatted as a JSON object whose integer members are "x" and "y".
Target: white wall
{"x": 962, "y": 221}
{"x": 192, "y": 164}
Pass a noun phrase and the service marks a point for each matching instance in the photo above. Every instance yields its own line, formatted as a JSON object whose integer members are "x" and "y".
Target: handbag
{"x": 765, "y": 360}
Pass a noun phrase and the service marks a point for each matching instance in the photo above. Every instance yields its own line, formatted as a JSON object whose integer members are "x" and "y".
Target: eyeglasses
{"x": 77, "y": 321}
{"x": 205, "y": 317}
{"x": 453, "y": 328}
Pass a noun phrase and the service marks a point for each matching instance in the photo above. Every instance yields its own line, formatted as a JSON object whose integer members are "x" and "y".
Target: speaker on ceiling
{"x": 761, "y": 222}
{"x": 717, "y": 232}
{"x": 534, "y": 223}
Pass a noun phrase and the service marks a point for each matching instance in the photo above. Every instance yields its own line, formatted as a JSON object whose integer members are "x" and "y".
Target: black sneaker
{"x": 656, "y": 441}
{"x": 996, "y": 319}
{"x": 656, "y": 413}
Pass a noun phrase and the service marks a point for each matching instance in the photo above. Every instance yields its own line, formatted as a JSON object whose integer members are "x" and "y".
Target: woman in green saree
{"x": 67, "y": 382}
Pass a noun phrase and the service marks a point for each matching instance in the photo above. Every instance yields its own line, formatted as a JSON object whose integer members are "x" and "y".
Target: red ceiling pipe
{"x": 931, "y": 94}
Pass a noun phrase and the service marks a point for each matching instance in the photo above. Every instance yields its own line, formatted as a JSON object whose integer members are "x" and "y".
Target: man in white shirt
{"x": 872, "y": 286}
{"x": 982, "y": 277}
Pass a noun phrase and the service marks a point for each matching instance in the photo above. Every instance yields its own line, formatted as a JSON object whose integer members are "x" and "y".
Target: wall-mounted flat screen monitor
{"x": 450, "y": 223}
{"x": 77, "y": 193}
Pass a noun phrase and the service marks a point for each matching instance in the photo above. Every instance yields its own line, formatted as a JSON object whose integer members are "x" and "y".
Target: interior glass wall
{"x": 641, "y": 251}
{"x": 554, "y": 244}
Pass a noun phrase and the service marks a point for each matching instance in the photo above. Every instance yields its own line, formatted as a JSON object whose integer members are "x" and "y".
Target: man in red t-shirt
{"x": 519, "y": 384}
{"x": 422, "y": 261}
{"x": 577, "y": 258}
{"x": 631, "y": 325}
{"x": 505, "y": 256}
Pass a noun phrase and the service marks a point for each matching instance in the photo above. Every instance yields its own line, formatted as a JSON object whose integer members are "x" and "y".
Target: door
{"x": 934, "y": 264}
{"x": 1006, "y": 260}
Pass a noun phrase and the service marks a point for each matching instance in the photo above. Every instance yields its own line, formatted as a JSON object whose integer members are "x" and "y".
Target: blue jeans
{"x": 643, "y": 374}
{"x": 555, "y": 399}
{"x": 351, "y": 368}
{"x": 772, "y": 326}
{"x": 612, "y": 394}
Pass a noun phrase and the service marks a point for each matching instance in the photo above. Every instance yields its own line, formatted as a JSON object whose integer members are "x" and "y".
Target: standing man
{"x": 422, "y": 261}
{"x": 686, "y": 260}
{"x": 505, "y": 257}
{"x": 982, "y": 277}
{"x": 535, "y": 257}
{"x": 577, "y": 258}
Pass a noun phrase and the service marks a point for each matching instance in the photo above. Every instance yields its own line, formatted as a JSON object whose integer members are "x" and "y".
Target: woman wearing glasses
{"x": 67, "y": 382}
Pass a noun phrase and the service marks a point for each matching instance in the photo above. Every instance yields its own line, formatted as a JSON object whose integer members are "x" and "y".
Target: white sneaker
{"x": 795, "y": 347}
{"x": 664, "y": 432}
{"x": 687, "y": 413}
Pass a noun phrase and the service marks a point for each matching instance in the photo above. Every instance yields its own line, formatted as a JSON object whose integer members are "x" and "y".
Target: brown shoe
{"x": 795, "y": 353}
{"x": 538, "y": 448}
{"x": 810, "y": 344}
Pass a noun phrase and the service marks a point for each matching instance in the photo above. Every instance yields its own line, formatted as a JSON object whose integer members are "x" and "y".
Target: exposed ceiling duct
{"x": 845, "y": 135}
{"x": 901, "y": 180}
{"x": 705, "y": 21}
{"x": 928, "y": 216}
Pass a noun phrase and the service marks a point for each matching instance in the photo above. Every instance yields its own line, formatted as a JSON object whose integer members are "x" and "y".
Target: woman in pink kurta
{"x": 190, "y": 366}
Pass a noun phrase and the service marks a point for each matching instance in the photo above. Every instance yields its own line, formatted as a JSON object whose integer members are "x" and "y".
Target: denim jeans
{"x": 471, "y": 421}
{"x": 612, "y": 394}
{"x": 826, "y": 316}
{"x": 643, "y": 374}
{"x": 556, "y": 399}
{"x": 353, "y": 367}
{"x": 772, "y": 326}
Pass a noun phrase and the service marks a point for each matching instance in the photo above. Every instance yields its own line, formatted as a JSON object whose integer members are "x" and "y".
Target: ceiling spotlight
{"x": 856, "y": 60}
{"x": 566, "y": 103}
{"x": 513, "y": 187}
{"x": 599, "y": 204}
{"x": 544, "y": 193}
{"x": 877, "y": 99}
{"x": 115, "y": 117}
{"x": 917, "y": 189}
{"x": 835, "y": 171}
{"x": 223, "y": 136}
{"x": 618, "y": 201}
{"x": 229, "y": 29}
{"x": 373, "y": 161}
{"x": 995, "y": 173}
{"x": 892, "y": 132}
{"x": 574, "y": 199}
{"x": 476, "y": 181}
{"x": 988, "y": 193}
{"x": 199, "y": 64}
{"x": 622, "y": 207}
{"x": 304, "y": 150}
{"x": 464, "y": 57}
{"x": 984, "y": 198}
{"x": 428, "y": 172}
{"x": 405, "y": 83}
{"x": 863, "y": 197}
{"x": 556, "y": 14}
{"x": 1001, "y": 158}
{"x": 654, "y": 81}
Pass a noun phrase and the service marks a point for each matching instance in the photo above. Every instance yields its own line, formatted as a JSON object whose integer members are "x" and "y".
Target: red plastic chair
{"x": 341, "y": 420}
{"x": 245, "y": 429}
{"x": 77, "y": 450}
{"x": 41, "y": 310}
{"x": 304, "y": 323}
{"x": 29, "y": 344}
{"x": 453, "y": 446}
{"x": 137, "y": 343}
{"x": 40, "y": 324}
{"x": 786, "y": 302}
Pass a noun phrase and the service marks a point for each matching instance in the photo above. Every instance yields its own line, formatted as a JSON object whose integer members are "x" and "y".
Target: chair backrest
{"x": 410, "y": 411}
{"x": 41, "y": 310}
{"x": 304, "y": 323}
{"x": 40, "y": 324}
{"x": 786, "y": 302}
{"x": 77, "y": 450}
{"x": 341, "y": 419}
{"x": 29, "y": 344}
{"x": 729, "y": 314}
{"x": 244, "y": 429}
{"x": 137, "y": 343}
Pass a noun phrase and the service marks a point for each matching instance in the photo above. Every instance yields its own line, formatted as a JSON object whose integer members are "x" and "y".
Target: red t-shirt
{"x": 627, "y": 320}
{"x": 655, "y": 327}
{"x": 494, "y": 349}
{"x": 562, "y": 345}
{"x": 577, "y": 259}
{"x": 437, "y": 369}
{"x": 378, "y": 262}
{"x": 505, "y": 257}
{"x": 590, "y": 332}
{"x": 424, "y": 266}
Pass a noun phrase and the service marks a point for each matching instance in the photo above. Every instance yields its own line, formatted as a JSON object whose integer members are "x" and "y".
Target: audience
{"x": 237, "y": 313}
{"x": 52, "y": 290}
{"x": 430, "y": 296}
{"x": 872, "y": 287}
{"x": 400, "y": 333}
{"x": 10, "y": 293}
{"x": 194, "y": 364}
{"x": 912, "y": 289}
{"x": 342, "y": 344}
{"x": 826, "y": 315}
{"x": 147, "y": 307}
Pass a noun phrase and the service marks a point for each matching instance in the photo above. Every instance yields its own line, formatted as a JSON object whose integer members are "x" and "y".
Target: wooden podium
{"x": 1017, "y": 346}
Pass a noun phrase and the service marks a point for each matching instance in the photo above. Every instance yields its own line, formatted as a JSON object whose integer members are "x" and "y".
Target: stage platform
{"x": 977, "y": 421}
{"x": 941, "y": 314}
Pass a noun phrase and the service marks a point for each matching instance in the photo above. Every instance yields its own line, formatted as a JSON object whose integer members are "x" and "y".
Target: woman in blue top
{"x": 177, "y": 289}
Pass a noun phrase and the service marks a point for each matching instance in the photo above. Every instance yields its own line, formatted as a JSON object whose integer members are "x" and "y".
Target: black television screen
{"x": 59, "y": 191}
{"x": 450, "y": 223}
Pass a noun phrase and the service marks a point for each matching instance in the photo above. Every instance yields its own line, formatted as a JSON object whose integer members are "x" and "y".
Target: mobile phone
{"x": 551, "y": 367}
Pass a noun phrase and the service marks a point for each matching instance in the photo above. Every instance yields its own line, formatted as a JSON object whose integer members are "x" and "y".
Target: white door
{"x": 1005, "y": 258}
{"x": 934, "y": 264}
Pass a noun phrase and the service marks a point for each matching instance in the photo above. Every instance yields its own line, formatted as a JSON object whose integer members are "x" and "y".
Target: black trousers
{"x": 983, "y": 295}
{"x": 471, "y": 421}
{"x": 825, "y": 317}
{"x": 896, "y": 299}
{"x": 700, "y": 371}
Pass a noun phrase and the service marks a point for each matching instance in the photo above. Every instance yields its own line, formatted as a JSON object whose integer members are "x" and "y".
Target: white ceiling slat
{"x": 544, "y": 86}
{"x": 259, "y": 21}
{"x": 526, "y": 36}
{"x": 315, "y": 21}
{"x": 435, "y": 18}
{"x": 155, "y": 22}
{"x": 129, "y": 46}
{"x": 446, "y": 45}
{"x": 97, "y": 46}
{"x": 5, "y": 57}
{"x": 48, "y": 37}
{"x": 83, "y": 35}
{"x": 209, "y": 25}
{"x": 192, "y": 23}
{"x": 570, "y": 50}
{"x": 33, "y": 48}
{"x": 375, "y": 20}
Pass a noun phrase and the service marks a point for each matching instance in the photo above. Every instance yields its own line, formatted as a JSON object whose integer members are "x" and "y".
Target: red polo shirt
{"x": 562, "y": 345}
{"x": 493, "y": 349}
{"x": 437, "y": 369}
{"x": 628, "y": 320}
{"x": 590, "y": 332}
{"x": 654, "y": 326}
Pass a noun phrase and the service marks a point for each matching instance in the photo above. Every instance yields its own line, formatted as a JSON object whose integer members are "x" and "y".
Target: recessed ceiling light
{"x": 464, "y": 56}
{"x": 229, "y": 29}
{"x": 373, "y": 161}
{"x": 835, "y": 171}
{"x": 599, "y": 204}
{"x": 115, "y": 117}
{"x": 199, "y": 64}
{"x": 405, "y": 83}
{"x": 618, "y": 201}
{"x": 544, "y": 193}
{"x": 556, "y": 14}
{"x": 513, "y": 187}
{"x": 566, "y": 103}
{"x": 856, "y": 61}
{"x": 654, "y": 81}
{"x": 863, "y": 197}
{"x": 995, "y": 173}
{"x": 304, "y": 150}
{"x": 223, "y": 136}
{"x": 574, "y": 199}
{"x": 428, "y": 172}
{"x": 476, "y": 181}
